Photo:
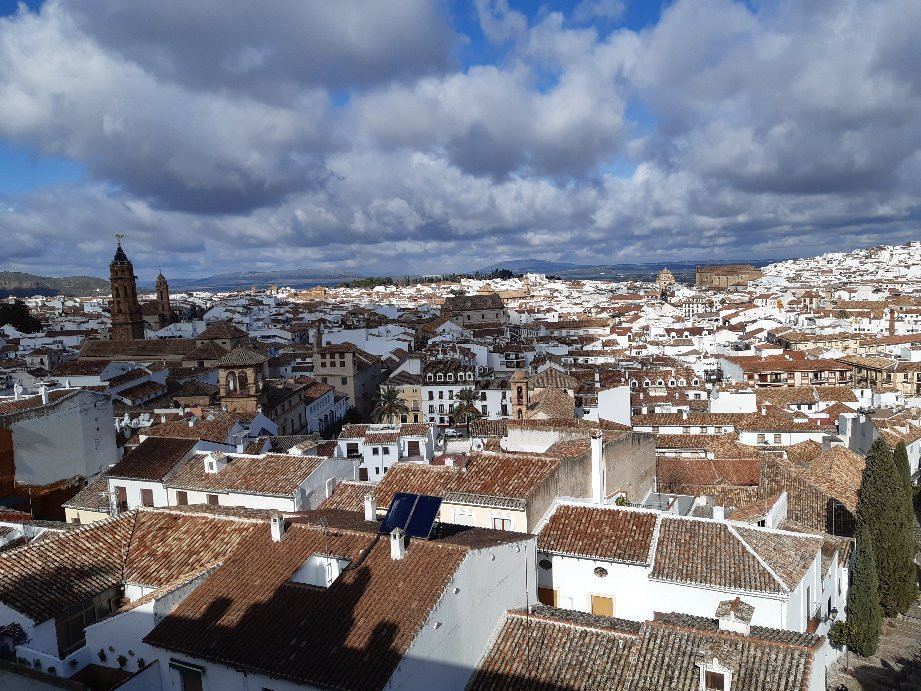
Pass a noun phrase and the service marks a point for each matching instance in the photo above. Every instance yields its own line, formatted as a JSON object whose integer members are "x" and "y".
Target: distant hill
{"x": 243, "y": 280}
{"x": 682, "y": 270}
{"x": 18, "y": 284}
{"x": 530, "y": 266}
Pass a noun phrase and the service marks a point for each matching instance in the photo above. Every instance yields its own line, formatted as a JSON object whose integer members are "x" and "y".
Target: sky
{"x": 413, "y": 137}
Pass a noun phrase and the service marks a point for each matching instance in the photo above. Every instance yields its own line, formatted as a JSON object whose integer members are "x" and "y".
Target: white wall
{"x": 458, "y": 630}
{"x": 575, "y": 582}
{"x": 614, "y": 404}
{"x": 73, "y": 437}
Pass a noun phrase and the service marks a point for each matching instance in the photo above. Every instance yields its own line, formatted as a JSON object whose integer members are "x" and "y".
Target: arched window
{"x": 450, "y": 376}
{"x": 696, "y": 382}
{"x": 243, "y": 380}
{"x": 520, "y": 415}
{"x": 633, "y": 384}
{"x": 231, "y": 381}
{"x": 520, "y": 394}
{"x": 469, "y": 376}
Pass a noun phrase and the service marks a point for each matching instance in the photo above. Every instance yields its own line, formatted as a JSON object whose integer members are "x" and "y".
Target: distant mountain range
{"x": 682, "y": 270}
{"x": 243, "y": 280}
{"x": 18, "y": 284}
{"x": 13, "y": 283}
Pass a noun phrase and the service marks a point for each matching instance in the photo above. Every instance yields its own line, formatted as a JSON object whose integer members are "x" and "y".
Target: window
{"x": 412, "y": 448}
{"x": 121, "y": 498}
{"x": 501, "y": 523}
{"x": 182, "y": 498}
{"x": 441, "y": 395}
{"x": 431, "y": 395}
{"x": 385, "y": 450}
{"x": 212, "y": 499}
{"x": 762, "y": 439}
{"x": 776, "y": 438}
{"x": 190, "y": 680}
{"x": 714, "y": 681}
{"x": 375, "y": 451}
{"x": 441, "y": 408}
{"x": 483, "y": 409}
{"x": 431, "y": 409}
{"x": 450, "y": 393}
{"x": 147, "y": 497}
{"x": 602, "y": 606}
{"x": 345, "y": 380}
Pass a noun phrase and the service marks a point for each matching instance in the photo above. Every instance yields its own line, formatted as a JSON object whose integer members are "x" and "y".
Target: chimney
{"x": 892, "y": 321}
{"x": 370, "y": 507}
{"x": 735, "y": 615}
{"x": 763, "y": 409}
{"x": 277, "y": 524}
{"x": 43, "y": 390}
{"x": 684, "y": 414}
{"x": 191, "y": 422}
{"x": 597, "y": 444}
{"x": 597, "y": 379}
{"x": 17, "y": 391}
{"x": 397, "y": 544}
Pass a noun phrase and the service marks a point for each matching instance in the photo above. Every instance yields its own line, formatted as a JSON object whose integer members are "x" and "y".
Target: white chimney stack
{"x": 17, "y": 391}
{"x": 684, "y": 414}
{"x": 277, "y": 523}
{"x": 764, "y": 409}
{"x": 43, "y": 389}
{"x": 397, "y": 544}
{"x": 597, "y": 444}
{"x": 370, "y": 507}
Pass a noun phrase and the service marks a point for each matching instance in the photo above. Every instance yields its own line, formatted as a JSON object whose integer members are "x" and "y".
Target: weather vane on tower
{"x": 118, "y": 238}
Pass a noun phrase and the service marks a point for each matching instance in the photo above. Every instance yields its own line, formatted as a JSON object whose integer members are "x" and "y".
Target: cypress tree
{"x": 878, "y": 511}
{"x": 864, "y": 614}
{"x": 903, "y": 588}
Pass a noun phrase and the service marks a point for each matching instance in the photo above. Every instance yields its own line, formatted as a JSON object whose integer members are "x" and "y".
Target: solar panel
{"x": 413, "y": 513}
{"x": 422, "y": 517}
{"x": 398, "y": 514}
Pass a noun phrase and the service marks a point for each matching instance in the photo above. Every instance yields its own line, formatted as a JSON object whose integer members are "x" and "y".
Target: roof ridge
{"x": 758, "y": 557}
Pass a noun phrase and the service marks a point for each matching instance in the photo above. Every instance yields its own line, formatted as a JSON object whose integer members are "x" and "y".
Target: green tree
{"x": 389, "y": 405}
{"x": 17, "y": 315}
{"x": 903, "y": 590}
{"x": 864, "y": 614}
{"x": 466, "y": 409}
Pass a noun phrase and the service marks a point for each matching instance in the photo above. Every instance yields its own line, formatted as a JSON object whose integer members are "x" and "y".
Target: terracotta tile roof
{"x": 665, "y": 656}
{"x": 553, "y": 403}
{"x": 216, "y": 430}
{"x": 9, "y": 405}
{"x": 138, "y": 348}
{"x": 611, "y": 534}
{"x": 241, "y": 356}
{"x": 353, "y": 431}
{"x": 414, "y": 429}
{"x": 207, "y": 351}
{"x": 550, "y": 650}
{"x": 704, "y": 471}
{"x": 349, "y": 496}
{"x": 789, "y": 556}
{"x": 382, "y": 437}
{"x": 49, "y": 576}
{"x": 708, "y": 553}
{"x": 274, "y": 474}
{"x": 352, "y": 634}
{"x": 499, "y": 475}
{"x": 222, "y": 329}
{"x": 93, "y": 497}
{"x": 143, "y": 390}
{"x": 78, "y": 368}
{"x": 804, "y": 452}
{"x": 488, "y": 428}
{"x": 152, "y": 459}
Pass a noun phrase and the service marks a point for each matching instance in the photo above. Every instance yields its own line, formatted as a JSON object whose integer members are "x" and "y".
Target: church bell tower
{"x": 127, "y": 321}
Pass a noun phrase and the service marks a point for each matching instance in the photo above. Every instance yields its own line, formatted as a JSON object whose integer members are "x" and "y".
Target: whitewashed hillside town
{"x": 493, "y": 482}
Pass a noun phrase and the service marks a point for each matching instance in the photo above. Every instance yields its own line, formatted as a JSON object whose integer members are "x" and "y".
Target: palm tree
{"x": 389, "y": 405}
{"x": 466, "y": 407}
